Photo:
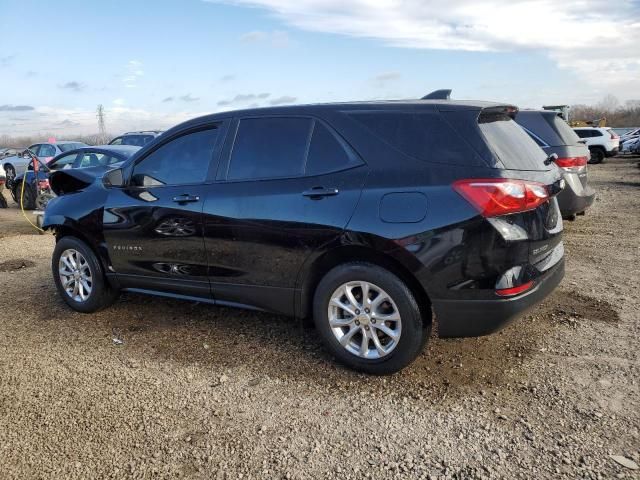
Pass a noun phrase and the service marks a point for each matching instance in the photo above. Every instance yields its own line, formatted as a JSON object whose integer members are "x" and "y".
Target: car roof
{"x": 591, "y": 128}
{"x": 310, "y": 109}
{"x": 123, "y": 149}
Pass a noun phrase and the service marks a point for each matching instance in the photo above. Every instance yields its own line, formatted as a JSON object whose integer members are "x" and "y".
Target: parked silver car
{"x": 45, "y": 151}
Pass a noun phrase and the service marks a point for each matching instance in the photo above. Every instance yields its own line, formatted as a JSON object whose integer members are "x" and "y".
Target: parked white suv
{"x": 602, "y": 142}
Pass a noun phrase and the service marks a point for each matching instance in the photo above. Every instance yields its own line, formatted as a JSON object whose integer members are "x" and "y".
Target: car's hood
{"x": 74, "y": 179}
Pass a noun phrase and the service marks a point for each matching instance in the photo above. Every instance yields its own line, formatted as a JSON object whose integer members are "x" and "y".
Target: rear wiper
{"x": 551, "y": 158}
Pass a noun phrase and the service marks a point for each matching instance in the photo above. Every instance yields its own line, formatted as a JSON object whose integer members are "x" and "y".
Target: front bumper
{"x": 474, "y": 318}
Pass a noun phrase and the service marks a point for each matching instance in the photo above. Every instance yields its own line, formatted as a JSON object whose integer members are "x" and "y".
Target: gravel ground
{"x": 202, "y": 392}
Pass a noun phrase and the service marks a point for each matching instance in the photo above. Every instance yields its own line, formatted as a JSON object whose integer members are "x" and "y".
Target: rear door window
{"x": 270, "y": 147}
{"x": 513, "y": 147}
{"x": 65, "y": 161}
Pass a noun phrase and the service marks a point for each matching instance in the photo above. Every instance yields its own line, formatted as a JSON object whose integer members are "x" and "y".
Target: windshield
{"x": 513, "y": 147}
{"x": 65, "y": 147}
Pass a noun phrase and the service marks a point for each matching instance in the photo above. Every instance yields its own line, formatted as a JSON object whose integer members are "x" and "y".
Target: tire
{"x": 101, "y": 295}
{"x": 412, "y": 332}
{"x": 597, "y": 155}
{"x": 10, "y": 173}
{"x": 29, "y": 199}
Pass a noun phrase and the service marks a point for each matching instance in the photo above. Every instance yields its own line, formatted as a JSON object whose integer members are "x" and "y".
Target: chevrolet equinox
{"x": 372, "y": 218}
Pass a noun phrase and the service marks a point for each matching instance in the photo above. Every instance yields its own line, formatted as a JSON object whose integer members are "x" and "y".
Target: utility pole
{"x": 102, "y": 129}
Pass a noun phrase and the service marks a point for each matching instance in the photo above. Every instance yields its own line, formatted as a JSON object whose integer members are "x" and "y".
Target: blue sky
{"x": 154, "y": 64}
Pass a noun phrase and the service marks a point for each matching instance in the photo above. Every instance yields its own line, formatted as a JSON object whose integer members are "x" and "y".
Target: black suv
{"x": 368, "y": 217}
{"x": 555, "y": 136}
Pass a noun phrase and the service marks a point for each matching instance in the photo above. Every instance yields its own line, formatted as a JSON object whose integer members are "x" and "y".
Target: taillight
{"x": 614, "y": 135}
{"x": 501, "y": 196}
{"x": 507, "y": 292}
{"x": 43, "y": 184}
{"x": 572, "y": 164}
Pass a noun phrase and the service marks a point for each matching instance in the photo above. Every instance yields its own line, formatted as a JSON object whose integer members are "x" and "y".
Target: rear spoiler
{"x": 442, "y": 94}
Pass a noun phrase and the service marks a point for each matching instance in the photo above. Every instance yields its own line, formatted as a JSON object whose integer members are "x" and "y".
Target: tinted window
{"x": 65, "y": 147}
{"x": 596, "y": 133}
{"x": 582, "y": 133}
{"x": 562, "y": 129}
{"x": 182, "y": 161}
{"x": 136, "y": 140}
{"x": 326, "y": 153}
{"x": 116, "y": 141}
{"x": 95, "y": 159}
{"x": 65, "y": 161}
{"x": 47, "y": 150}
{"x": 539, "y": 142}
{"x": 513, "y": 147}
{"x": 424, "y": 136}
{"x": 269, "y": 148}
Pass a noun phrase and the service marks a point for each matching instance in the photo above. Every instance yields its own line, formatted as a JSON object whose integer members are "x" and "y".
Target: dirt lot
{"x": 205, "y": 392}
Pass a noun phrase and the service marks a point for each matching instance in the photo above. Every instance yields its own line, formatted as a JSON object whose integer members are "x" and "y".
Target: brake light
{"x": 507, "y": 292}
{"x": 572, "y": 164}
{"x": 614, "y": 135}
{"x": 502, "y": 196}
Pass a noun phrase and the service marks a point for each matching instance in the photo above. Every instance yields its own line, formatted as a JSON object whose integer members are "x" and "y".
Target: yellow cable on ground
{"x": 24, "y": 180}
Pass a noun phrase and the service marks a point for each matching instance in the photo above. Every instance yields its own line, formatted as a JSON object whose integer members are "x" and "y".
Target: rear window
{"x": 136, "y": 140}
{"x": 423, "y": 136}
{"x": 513, "y": 147}
{"x": 564, "y": 131}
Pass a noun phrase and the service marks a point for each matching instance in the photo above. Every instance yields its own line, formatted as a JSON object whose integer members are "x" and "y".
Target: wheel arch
{"x": 357, "y": 253}
{"x": 68, "y": 229}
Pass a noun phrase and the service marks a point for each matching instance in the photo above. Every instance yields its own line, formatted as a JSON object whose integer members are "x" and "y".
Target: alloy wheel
{"x": 75, "y": 275}
{"x": 364, "y": 319}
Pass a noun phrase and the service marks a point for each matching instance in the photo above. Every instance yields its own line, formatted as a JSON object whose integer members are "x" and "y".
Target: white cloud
{"x": 119, "y": 102}
{"x": 596, "y": 39}
{"x": 133, "y": 72}
{"x": 68, "y": 122}
{"x": 275, "y": 38}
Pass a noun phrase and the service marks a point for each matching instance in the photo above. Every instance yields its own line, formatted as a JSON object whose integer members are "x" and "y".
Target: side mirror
{"x": 113, "y": 178}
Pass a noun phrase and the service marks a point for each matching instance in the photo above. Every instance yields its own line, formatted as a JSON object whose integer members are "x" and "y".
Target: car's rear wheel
{"x": 79, "y": 277}
{"x": 369, "y": 319}
{"x": 597, "y": 155}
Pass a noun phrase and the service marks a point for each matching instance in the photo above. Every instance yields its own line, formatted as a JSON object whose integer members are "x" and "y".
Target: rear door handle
{"x": 186, "y": 198}
{"x": 317, "y": 193}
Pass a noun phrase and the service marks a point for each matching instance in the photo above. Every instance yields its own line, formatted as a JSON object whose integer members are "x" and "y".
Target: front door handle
{"x": 186, "y": 198}
{"x": 317, "y": 193}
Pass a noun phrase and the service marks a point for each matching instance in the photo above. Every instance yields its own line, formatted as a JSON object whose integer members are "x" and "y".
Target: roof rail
{"x": 443, "y": 94}
{"x": 143, "y": 131}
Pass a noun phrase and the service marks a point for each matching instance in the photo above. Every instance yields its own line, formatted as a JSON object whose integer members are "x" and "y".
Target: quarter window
{"x": 184, "y": 160}
{"x": 326, "y": 153}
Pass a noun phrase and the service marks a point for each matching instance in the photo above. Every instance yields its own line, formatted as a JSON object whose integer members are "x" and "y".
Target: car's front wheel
{"x": 369, "y": 319}
{"x": 79, "y": 277}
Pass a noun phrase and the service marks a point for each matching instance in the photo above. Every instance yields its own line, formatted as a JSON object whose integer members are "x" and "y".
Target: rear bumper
{"x": 572, "y": 202}
{"x": 474, "y": 318}
{"x": 613, "y": 152}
